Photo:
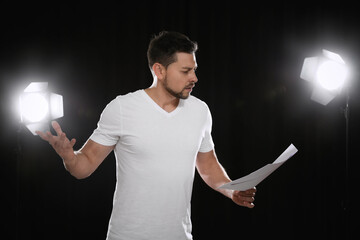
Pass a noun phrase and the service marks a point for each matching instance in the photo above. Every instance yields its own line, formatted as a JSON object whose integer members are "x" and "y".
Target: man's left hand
{"x": 244, "y": 198}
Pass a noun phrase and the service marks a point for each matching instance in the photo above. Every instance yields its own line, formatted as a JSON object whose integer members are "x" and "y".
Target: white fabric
{"x": 155, "y": 156}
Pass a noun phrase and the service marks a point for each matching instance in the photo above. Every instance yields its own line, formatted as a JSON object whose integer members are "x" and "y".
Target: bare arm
{"x": 215, "y": 175}
{"x": 212, "y": 172}
{"x": 82, "y": 163}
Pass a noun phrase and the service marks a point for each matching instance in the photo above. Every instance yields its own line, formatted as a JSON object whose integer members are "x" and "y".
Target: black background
{"x": 249, "y": 58}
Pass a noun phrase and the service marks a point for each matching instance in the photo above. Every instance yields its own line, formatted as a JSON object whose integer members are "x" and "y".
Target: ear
{"x": 159, "y": 70}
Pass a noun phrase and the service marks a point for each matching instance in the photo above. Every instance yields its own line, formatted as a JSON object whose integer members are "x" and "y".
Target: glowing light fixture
{"x": 328, "y": 73}
{"x": 38, "y": 106}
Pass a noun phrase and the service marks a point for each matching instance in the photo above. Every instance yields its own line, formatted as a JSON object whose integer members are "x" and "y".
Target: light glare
{"x": 34, "y": 107}
{"x": 37, "y": 106}
{"x": 328, "y": 73}
{"x": 331, "y": 75}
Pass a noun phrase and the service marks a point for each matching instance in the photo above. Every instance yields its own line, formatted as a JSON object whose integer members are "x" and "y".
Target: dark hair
{"x": 163, "y": 47}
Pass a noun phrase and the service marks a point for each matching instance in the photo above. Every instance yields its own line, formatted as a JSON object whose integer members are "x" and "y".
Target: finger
{"x": 244, "y": 203}
{"x": 42, "y": 135}
{"x": 245, "y": 194}
{"x": 49, "y": 134}
{"x": 62, "y": 137}
{"x": 59, "y": 141}
{"x": 251, "y": 190}
{"x": 56, "y": 127}
{"x": 50, "y": 137}
{"x": 245, "y": 199}
{"x": 65, "y": 142}
{"x": 72, "y": 142}
{"x": 249, "y": 205}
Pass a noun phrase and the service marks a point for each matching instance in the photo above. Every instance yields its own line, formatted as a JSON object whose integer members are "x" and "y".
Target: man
{"x": 159, "y": 136}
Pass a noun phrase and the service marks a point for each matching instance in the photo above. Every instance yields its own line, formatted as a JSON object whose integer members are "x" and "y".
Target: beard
{"x": 180, "y": 95}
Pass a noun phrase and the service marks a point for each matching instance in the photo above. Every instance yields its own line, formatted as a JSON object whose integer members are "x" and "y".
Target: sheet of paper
{"x": 254, "y": 178}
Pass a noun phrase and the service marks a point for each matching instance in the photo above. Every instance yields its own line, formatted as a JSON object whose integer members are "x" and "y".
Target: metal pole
{"x": 18, "y": 184}
{"x": 346, "y": 201}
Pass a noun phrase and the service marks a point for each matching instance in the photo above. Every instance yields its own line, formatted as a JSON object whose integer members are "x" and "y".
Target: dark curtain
{"x": 249, "y": 61}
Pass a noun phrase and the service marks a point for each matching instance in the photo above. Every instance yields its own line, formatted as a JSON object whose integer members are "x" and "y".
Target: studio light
{"x": 38, "y": 106}
{"x": 328, "y": 73}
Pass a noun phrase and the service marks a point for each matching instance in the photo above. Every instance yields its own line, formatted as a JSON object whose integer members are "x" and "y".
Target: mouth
{"x": 189, "y": 88}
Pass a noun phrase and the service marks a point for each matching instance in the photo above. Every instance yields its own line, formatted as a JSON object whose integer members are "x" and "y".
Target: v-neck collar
{"x": 160, "y": 109}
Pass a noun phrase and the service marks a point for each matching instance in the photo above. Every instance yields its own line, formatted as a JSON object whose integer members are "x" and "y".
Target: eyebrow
{"x": 189, "y": 68}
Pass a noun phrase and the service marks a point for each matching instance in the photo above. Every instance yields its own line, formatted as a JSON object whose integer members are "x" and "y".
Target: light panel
{"x": 38, "y": 107}
{"x": 34, "y": 107}
{"x": 328, "y": 73}
{"x": 331, "y": 75}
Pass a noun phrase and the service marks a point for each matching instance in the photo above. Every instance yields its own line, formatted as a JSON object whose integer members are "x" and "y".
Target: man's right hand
{"x": 61, "y": 144}
{"x": 81, "y": 163}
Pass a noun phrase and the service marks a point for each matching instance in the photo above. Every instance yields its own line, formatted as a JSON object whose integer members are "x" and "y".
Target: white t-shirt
{"x": 155, "y": 160}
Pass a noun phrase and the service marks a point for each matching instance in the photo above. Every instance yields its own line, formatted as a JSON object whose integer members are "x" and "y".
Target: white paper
{"x": 254, "y": 178}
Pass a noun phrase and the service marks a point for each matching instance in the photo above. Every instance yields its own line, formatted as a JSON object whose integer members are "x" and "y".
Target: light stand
{"x": 328, "y": 73}
{"x": 346, "y": 201}
{"x": 37, "y": 108}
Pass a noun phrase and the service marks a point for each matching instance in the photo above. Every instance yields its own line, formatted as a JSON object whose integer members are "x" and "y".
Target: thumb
{"x": 72, "y": 142}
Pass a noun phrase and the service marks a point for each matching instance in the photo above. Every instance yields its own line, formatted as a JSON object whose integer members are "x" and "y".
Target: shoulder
{"x": 127, "y": 98}
{"x": 117, "y": 105}
{"x": 196, "y": 103}
{"x": 196, "y": 107}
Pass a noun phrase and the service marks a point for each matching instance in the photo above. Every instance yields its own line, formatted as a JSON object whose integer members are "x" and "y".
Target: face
{"x": 180, "y": 77}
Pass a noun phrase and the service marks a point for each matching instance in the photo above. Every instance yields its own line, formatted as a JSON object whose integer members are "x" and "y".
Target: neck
{"x": 162, "y": 98}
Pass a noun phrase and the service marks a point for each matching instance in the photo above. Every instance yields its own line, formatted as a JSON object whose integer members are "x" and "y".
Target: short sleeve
{"x": 207, "y": 143}
{"x": 109, "y": 126}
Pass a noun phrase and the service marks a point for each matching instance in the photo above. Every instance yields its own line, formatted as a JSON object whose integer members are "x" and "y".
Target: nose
{"x": 194, "y": 77}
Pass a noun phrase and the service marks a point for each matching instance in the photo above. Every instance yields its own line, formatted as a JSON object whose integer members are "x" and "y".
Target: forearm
{"x": 84, "y": 162}
{"x": 211, "y": 171}
{"x": 78, "y": 165}
{"x": 216, "y": 176}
